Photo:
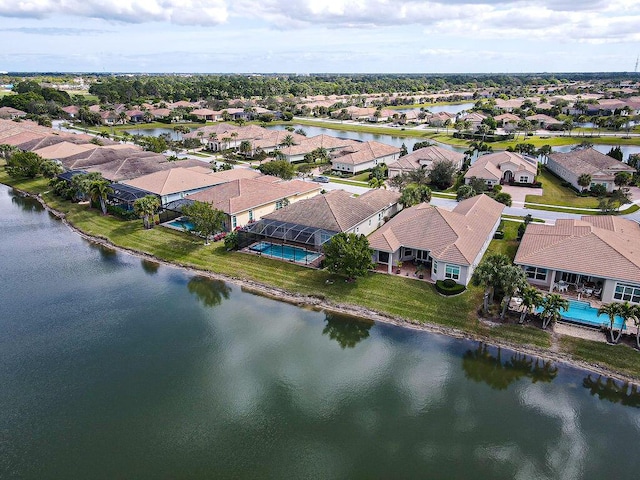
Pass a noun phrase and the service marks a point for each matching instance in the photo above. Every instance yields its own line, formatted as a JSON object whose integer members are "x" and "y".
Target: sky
{"x": 319, "y": 36}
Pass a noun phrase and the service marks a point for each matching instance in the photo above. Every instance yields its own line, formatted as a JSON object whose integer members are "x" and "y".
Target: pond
{"x": 113, "y": 366}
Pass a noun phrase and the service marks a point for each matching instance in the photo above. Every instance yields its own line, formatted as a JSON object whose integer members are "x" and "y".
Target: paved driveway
{"x": 519, "y": 193}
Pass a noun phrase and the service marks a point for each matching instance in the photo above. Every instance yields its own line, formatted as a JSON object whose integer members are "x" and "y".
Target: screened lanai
{"x": 277, "y": 231}
{"x": 125, "y": 195}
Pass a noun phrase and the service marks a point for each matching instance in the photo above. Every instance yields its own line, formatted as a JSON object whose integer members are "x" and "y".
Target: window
{"x": 383, "y": 257}
{"x": 435, "y": 268}
{"x": 234, "y": 222}
{"x": 536, "y": 273}
{"x": 408, "y": 252}
{"x": 452, "y": 272}
{"x": 627, "y": 293}
{"x": 278, "y": 204}
{"x": 251, "y": 215}
{"x": 524, "y": 179}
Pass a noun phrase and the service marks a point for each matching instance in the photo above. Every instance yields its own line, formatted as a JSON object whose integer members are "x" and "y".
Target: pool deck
{"x": 312, "y": 264}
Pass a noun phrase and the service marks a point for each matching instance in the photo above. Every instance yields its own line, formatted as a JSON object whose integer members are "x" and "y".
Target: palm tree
{"x": 613, "y": 310}
{"x": 511, "y": 279}
{"x": 551, "y": 306}
{"x": 213, "y": 137}
{"x": 146, "y": 207}
{"x": 98, "y": 191}
{"x": 287, "y": 141}
{"x": 584, "y": 180}
{"x": 487, "y": 274}
{"x": 377, "y": 183}
{"x": 245, "y": 147}
{"x": 531, "y": 299}
{"x": 122, "y": 116}
{"x": 634, "y": 314}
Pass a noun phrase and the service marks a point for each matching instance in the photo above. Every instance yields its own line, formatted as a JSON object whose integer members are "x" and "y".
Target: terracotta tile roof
{"x": 274, "y": 138}
{"x": 64, "y": 150}
{"x": 541, "y": 117}
{"x": 362, "y": 152}
{"x": 424, "y": 157}
{"x": 319, "y": 141}
{"x": 488, "y": 166}
{"x": 598, "y": 246}
{"x": 335, "y": 211}
{"x": 507, "y": 117}
{"x": 101, "y": 156}
{"x": 173, "y": 180}
{"x": 22, "y": 137}
{"x": 244, "y": 194}
{"x": 456, "y": 236}
{"x": 590, "y": 161}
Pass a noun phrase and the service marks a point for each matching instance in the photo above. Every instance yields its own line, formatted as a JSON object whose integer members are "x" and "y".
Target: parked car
{"x": 321, "y": 179}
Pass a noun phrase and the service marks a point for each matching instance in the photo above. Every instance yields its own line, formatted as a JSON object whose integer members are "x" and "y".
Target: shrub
{"x": 121, "y": 212}
{"x": 449, "y": 287}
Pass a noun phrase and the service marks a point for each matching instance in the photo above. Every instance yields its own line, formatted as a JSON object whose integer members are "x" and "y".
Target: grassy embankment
{"x": 419, "y": 303}
{"x": 554, "y": 195}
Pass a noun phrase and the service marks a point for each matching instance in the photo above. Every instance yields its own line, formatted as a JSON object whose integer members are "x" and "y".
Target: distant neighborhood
{"x": 260, "y": 179}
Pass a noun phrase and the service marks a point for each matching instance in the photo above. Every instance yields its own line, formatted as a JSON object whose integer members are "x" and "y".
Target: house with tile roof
{"x": 182, "y": 179}
{"x": 602, "y": 168}
{"x": 450, "y": 244}
{"x": 424, "y": 158}
{"x": 246, "y": 200}
{"x": 546, "y": 122}
{"x": 296, "y": 153}
{"x": 503, "y": 167}
{"x": 602, "y": 251}
{"x": 311, "y": 223}
{"x": 508, "y": 121}
{"x": 361, "y": 156}
{"x": 10, "y": 113}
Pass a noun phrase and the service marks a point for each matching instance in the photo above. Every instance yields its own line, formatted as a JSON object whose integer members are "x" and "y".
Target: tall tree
{"x": 98, "y": 191}
{"x": 145, "y": 208}
{"x": 442, "y": 174}
{"x": 348, "y": 254}
{"x": 613, "y": 310}
{"x": 206, "y": 220}
{"x": 511, "y": 279}
{"x": 552, "y": 305}
{"x": 531, "y": 299}
{"x": 584, "y": 181}
{"x": 487, "y": 274}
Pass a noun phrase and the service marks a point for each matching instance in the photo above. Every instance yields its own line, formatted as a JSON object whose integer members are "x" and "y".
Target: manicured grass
{"x": 149, "y": 126}
{"x": 509, "y": 244}
{"x": 397, "y": 132}
{"x": 619, "y": 358}
{"x": 551, "y": 208}
{"x": 425, "y": 105}
{"x": 361, "y": 177}
{"x": 518, "y": 217}
{"x": 523, "y": 335}
{"x": 348, "y": 182}
{"x": 555, "y": 194}
{"x": 418, "y": 301}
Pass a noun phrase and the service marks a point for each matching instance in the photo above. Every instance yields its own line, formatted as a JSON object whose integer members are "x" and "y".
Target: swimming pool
{"x": 286, "y": 252}
{"x": 180, "y": 225}
{"x": 583, "y": 313}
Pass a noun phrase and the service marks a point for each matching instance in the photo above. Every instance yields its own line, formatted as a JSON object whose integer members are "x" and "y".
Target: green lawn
{"x": 393, "y": 295}
{"x": 619, "y": 358}
{"x": 509, "y": 244}
{"x": 555, "y": 194}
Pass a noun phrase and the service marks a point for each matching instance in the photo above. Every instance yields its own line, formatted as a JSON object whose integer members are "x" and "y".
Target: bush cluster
{"x": 449, "y": 287}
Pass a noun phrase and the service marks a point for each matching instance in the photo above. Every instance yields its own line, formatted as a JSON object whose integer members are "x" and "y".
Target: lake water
{"x": 454, "y": 108}
{"x": 116, "y": 367}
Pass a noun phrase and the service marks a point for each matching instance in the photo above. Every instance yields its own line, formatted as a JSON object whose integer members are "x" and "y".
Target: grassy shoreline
{"x": 419, "y": 306}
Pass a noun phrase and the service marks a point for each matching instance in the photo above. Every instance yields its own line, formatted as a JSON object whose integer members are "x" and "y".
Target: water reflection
{"x": 481, "y": 365}
{"x": 347, "y": 331}
{"x": 25, "y": 202}
{"x": 607, "y": 388}
{"x": 149, "y": 267}
{"x": 107, "y": 254}
{"x": 210, "y": 292}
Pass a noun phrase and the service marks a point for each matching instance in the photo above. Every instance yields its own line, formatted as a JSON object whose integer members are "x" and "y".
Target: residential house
{"x": 474, "y": 119}
{"x": 296, "y": 153}
{"x": 71, "y": 110}
{"x": 247, "y": 200}
{"x": 440, "y": 119}
{"x": 602, "y": 168}
{"x": 450, "y": 244}
{"x": 312, "y": 222}
{"x": 598, "y": 255}
{"x": 424, "y": 158}
{"x": 10, "y": 113}
{"x": 503, "y": 167}
{"x": 544, "y": 122}
{"x": 361, "y": 156}
{"x": 207, "y": 114}
{"x": 176, "y": 183}
{"x": 508, "y": 121}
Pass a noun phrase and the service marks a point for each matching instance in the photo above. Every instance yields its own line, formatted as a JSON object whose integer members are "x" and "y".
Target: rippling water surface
{"x": 116, "y": 367}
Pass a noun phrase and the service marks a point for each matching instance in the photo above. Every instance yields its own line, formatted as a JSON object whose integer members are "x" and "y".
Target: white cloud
{"x": 180, "y": 12}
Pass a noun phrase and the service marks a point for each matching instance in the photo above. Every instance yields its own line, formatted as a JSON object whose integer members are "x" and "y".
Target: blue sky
{"x": 315, "y": 36}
